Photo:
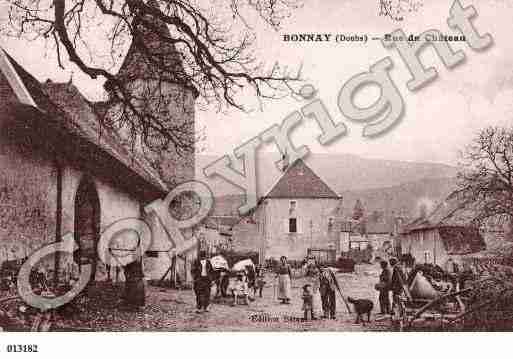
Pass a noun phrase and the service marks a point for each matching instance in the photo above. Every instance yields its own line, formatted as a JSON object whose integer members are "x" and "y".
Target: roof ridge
{"x": 301, "y": 189}
{"x": 44, "y": 102}
{"x": 102, "y": 130}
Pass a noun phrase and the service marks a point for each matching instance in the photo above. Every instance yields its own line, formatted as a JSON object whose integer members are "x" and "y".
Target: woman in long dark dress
{"x": 135, "y": 293}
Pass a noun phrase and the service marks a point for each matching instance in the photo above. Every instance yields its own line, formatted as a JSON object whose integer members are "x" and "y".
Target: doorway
{"x": 87, "y": 225}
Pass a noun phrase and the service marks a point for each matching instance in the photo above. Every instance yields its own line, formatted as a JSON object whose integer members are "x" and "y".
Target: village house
{"x": 299, "y": 213}
{"x": 216, "y": 232}
{"x": 377, "y": 235}
{"x": 380, "y": 234}
{"x": 446, "y": 233}
{"x": 353, "y": 237}
{"x": 64, "y": 173}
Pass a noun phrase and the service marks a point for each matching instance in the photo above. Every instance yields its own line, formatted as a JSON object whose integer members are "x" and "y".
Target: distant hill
{"x": 379, "y": 184}
{"x": 342, "y": 172}
{"x": 405, "y": 198}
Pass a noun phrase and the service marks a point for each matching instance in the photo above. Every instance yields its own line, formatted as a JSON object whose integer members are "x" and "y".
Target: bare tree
{"x": 204, "y": 46}
{"x": 485, "y": 182}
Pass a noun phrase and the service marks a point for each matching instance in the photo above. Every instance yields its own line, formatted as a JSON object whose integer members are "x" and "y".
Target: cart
{"x": 429, "y": 302}
{"x": 445, "y": 309}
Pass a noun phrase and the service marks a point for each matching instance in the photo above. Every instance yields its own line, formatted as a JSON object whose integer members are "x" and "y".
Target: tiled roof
{"x": 299, "y": 181}
{"x": 455, "y": 226}
{"x": 64, "y": 105}
{"x": 448, "y": 213}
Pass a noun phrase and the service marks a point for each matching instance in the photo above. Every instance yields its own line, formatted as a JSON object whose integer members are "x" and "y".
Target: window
{"x": 292, "y": 225}
{"x": 330, "y": 224}
{"x": 354, "y": 246}
{"x": 292, "y": 207}
{"x": 152, "y": 254}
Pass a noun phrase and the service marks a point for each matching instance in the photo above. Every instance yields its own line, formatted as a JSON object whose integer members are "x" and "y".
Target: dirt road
{"x": 174, "y": 310}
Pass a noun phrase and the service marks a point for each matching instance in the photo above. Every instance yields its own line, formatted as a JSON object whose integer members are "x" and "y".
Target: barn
{"x": 448, "y": 232}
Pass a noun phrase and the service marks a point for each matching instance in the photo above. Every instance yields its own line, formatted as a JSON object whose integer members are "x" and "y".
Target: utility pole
{"x": 311, "y": 233}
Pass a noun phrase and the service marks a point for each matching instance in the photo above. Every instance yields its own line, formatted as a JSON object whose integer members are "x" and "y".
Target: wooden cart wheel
{"x": 435, "y": 302}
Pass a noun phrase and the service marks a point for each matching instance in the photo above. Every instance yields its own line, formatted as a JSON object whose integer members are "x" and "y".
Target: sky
{"x": 439, "y": 119}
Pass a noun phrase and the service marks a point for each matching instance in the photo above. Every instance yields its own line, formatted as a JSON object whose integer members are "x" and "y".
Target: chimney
{"x": 285, "y": 162}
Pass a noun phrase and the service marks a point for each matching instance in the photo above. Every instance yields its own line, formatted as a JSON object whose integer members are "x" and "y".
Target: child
{"x": 307, "y": 302}
{"x": 240, "y": 288}
{"x": 260, "y": 282}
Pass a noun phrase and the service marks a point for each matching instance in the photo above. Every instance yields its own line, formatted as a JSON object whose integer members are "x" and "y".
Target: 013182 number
{"x": 22, "y": 348}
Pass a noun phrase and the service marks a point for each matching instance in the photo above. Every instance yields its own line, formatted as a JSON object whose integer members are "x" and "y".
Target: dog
{"x": 361, "y": 307}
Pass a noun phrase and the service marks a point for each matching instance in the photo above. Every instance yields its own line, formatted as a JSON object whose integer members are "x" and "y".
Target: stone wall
{"x": 313, "y": 216}
{"x": 27, "y": 187}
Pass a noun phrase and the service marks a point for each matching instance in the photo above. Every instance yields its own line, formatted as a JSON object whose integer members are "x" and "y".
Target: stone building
{"x": 215, "y": 234}
{"x": 64, "y": 173}
{"x": 447, "y": 232}
{"x": 299, "y": 213}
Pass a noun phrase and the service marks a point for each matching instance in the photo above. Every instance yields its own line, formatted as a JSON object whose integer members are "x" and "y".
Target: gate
{"x": 322, "y": 255}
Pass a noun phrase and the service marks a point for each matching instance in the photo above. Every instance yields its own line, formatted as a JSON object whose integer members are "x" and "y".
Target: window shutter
{"x": 286, "y": 225}
{"x": 298, "y": 224}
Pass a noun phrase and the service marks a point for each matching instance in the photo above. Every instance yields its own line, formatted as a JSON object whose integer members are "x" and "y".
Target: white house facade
{"x": 300, "y": 212}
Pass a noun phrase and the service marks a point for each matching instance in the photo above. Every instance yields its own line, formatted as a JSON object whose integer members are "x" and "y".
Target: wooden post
{"x": 185, "y": 268}
{"x": 173, "y": 270}
{"x": 58, "y": 221}
{"x": 435, "y": 238}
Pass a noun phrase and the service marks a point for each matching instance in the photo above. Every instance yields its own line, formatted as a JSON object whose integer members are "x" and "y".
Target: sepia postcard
{"x": 255, "y": 166}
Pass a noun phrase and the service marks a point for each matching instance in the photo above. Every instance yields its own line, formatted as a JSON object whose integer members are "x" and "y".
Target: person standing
{"x": 384, "y": 288}
{"x": 327, "y": 286}
{"x": 135, "y": 292}
{"x": 202, "y": 272}
{"x": 260, "y": 281}
{"x": 307, "y": 302}
{"x": 251, "y": 279}
{"x": 398, "y": 286}
{"x": 222, "y": 281}
{"x": 313, "y": 280}
{"x": 284, "y": 282}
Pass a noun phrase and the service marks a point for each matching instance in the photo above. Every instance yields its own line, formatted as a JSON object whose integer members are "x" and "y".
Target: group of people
{"x": 318, "y": 294}
{"x": 239, "y": 286}
{"x": 391, "y": 280}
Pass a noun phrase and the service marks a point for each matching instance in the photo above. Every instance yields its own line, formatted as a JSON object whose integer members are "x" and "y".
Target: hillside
{"x": 343, "y": 172}
{"x": 405, "y": 197}
{"x": 379, "y": 184}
